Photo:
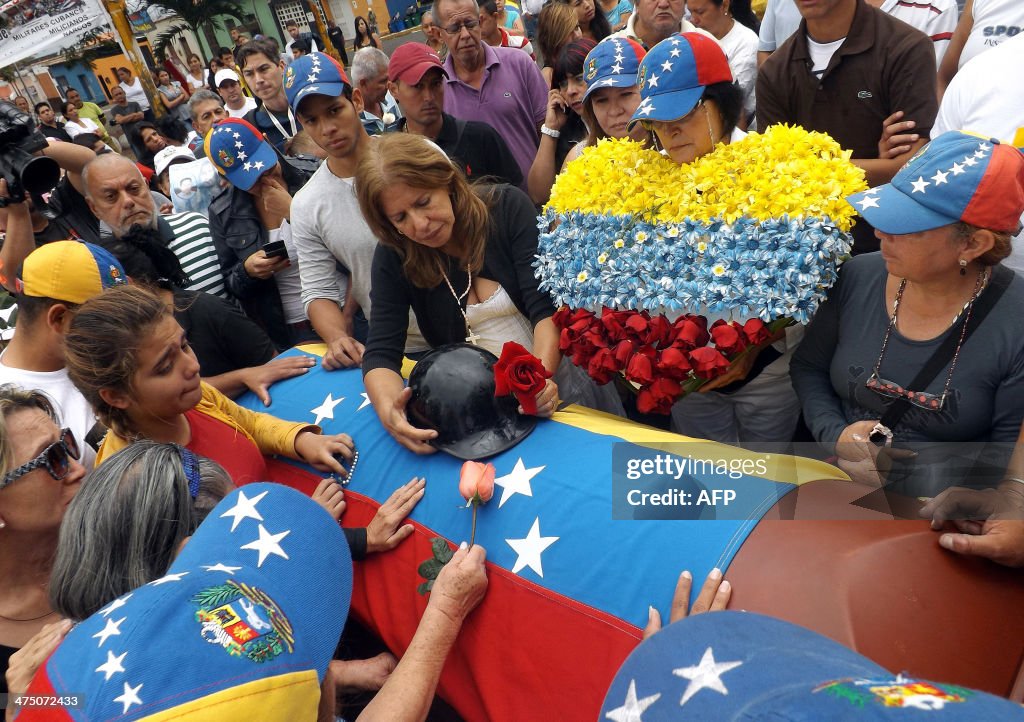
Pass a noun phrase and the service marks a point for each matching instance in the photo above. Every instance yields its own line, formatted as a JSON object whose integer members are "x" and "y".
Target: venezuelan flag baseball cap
{"x": 314, "y": 74}
{"x": 70, "y": 271}
{"x": 613, "y": 63}
{"x": 242, "y": 626}
{"x": 239, "y": 152}
{"x": 733, "y": 666}
{"x": 956, "y": 177}
{"x": 674, "y": 73}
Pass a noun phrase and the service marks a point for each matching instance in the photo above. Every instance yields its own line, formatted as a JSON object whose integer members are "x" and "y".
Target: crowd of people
{"x": 388, "y": 206}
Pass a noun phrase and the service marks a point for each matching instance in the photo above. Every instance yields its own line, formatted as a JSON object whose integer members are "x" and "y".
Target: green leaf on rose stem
{"x": 430, "y": 569}
{"x": 425, "y": 587}
{"x": 442, "y": 552}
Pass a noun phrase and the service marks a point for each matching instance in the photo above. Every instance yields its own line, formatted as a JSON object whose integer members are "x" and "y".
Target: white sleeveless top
{"x": 497, "y": 320}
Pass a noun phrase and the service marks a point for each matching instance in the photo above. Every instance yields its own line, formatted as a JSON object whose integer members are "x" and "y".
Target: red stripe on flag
{"x": 40, "y": 686}
{"x": 524, "y": 650}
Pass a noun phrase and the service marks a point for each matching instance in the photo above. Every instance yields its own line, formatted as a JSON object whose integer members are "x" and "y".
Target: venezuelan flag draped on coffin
{"x": 569, "y": 585}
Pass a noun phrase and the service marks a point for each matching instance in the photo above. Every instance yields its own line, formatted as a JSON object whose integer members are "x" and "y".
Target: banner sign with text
{"x": 33, "y": 28}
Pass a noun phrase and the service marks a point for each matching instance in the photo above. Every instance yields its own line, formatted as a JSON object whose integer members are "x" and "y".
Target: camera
{"x": 23, "y": 171}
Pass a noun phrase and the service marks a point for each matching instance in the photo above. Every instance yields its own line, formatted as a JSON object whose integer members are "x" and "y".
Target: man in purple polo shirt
{"x": 499, "y": 86}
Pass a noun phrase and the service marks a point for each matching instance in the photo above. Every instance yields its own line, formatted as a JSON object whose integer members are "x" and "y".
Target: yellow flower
{"x": 619, "y": 243}
{"x": 582, "y": 276}
{"x": 602, "y": 258}
{"x": 718, "y": 269}
{"x": 702, "y": 246}
{"x": 784, "y": 171}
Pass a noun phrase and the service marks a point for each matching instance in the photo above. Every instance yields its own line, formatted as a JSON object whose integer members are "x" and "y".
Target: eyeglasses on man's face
{"x": 456, "y": 28}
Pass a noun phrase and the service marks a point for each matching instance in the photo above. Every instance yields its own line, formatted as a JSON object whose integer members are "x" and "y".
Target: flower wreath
{"x": 691, "y": 266}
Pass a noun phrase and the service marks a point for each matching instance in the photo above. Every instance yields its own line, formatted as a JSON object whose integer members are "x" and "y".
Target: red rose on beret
{"x": 658, "y": 397}
{"x": 708, "y": 363}
{"x": 640, "y": 369}
{"x": 520, "y": 373}
{"x": 614, "y": 322}
{"x": 624, "y": 351}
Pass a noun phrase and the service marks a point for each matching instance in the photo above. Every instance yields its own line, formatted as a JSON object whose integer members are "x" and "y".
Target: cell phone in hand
{"x": 275, "y": 249}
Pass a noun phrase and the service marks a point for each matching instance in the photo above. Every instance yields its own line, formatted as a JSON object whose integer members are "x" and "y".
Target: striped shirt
{"x": 188, "y": 235}
{"x": 935, "y": 18}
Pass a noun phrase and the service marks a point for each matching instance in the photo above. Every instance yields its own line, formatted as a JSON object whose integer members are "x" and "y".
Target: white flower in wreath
{"x": 702, "y": 246}
{"x": 619, "y": 243}
{"x": 672, "y": 232}
{"x": 641, "y": 236}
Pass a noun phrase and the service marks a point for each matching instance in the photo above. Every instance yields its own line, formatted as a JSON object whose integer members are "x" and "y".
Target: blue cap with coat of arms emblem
{"x": 613, "y": 63}
{"x": 733, "y": 666}
{"x": 239, "y": 152}
{"x": 243, "y": 625}
{"x": 314, "y": 74}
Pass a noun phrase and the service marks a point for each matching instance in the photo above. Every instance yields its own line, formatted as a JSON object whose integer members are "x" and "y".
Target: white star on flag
{"x": 129, "y": 697}
{"x": 957, "y": 169}
{"x": 529, "y": 549}
{"x": 239, "y": 144}
{"x": 112, "y": 666}
{"x": 619, "y": 57}
{"x": 919, "y": 185}
{"x": 168, "y": 578}
{"x": 632, "y": 708}
{"x": 675, "y": 40}
{"x": 617, "y": 68}
{"x": 312, "y": 77}
{"x": 244, "y": 508}
{"x": 517, "y": 481}
{"x": 236, "y": 136}
{"x": 218, "y": 567}
{"x": 247, "y": 166}
{"x": 366, "y": 401}
{"x": 326, "y": 409}
{"x": 667, "y": 65}
{"x": 653, "y": 81}
{"x": 116, "y": 604}
{"x": 645, "y": 110}
{"x": 267, "y": 544}
{"x": 868, "y": 202}
{"x": 970, "y": 160}
{"x": 311, "y": 89}
{"x": 112, "y": 629}
{"x": 241, "y": 155}
{"x": 675, "y": 53}
{"x": 258, "y": 164}
{"x": 706, "y": 675}
{"x": 984, "y": 147}
{"x": 607, "y": 82}
{"x": 940, "y": 177}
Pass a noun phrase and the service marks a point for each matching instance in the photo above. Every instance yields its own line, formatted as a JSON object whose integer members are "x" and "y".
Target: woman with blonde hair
{"x": 461, "y": 258}
{"x": 557, "y": 26}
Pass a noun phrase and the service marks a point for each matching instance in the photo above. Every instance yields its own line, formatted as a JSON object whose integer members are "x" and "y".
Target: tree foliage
{"x": 194, "y": 15}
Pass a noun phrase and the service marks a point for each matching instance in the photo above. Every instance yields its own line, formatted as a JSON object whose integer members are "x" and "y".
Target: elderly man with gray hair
{"x": 380, "y": 112}
{"x": 118, "y": 196}
{"x": 206, "y": 108}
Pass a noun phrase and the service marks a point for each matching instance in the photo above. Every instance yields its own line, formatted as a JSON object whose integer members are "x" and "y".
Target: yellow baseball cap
{"x": 70, "y": 271}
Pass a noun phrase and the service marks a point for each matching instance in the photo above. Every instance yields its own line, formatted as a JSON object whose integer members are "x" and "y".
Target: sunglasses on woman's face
{"x": 56, "y": 458}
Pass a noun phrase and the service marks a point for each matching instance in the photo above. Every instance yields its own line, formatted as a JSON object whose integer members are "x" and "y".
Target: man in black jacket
{"x": 337, "y": 38}
{"x": 250, "y": 213}
{"x": 416, "y": 80}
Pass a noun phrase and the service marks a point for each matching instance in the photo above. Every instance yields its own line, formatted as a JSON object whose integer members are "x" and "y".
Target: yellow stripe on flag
{"x": 292, "y": 696}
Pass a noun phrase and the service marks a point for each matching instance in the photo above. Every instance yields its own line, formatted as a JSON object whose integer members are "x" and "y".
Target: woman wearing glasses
{"x": 919, "y": 345}
{"x": 39, "y": 476}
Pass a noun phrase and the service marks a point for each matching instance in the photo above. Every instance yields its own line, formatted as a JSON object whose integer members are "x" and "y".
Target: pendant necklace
{"x": 470, "y": 336}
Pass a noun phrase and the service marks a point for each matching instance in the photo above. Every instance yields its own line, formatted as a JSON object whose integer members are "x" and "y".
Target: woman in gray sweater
{"x": 945, "y": 223}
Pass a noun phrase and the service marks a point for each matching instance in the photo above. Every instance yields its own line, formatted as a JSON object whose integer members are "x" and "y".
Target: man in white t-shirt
{"x": 328, "y": 227}
{"x": 654, "y": 20}
{"x": 229, "y": 87}
{"x": 987, "y": 97}
{"x": 56, "y": 278}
